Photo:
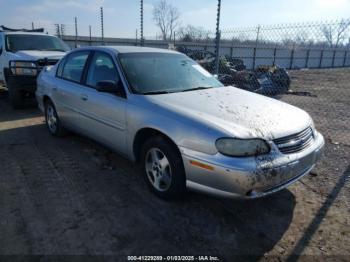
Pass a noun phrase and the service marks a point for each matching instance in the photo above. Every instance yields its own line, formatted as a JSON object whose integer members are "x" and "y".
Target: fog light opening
{"x": 252, "y": 193}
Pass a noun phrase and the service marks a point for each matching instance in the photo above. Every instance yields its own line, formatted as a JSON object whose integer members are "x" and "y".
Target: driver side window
{"x": 102, "y": 68}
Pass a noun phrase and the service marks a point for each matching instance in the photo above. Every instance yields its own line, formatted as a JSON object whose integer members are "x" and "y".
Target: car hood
{"x": 237, "y": 112}
{"x": 33, "y": 55}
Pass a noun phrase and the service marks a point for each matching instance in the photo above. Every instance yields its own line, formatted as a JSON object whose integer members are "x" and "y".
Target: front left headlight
{"x": 242, "y": 147}
{"x": 312, "y": 125}
{"x": 23, "y": 68}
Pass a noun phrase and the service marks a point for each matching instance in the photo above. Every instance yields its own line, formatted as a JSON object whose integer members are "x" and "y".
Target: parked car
{"x": 23, "y": 54}
{"x": 162, "y": 110}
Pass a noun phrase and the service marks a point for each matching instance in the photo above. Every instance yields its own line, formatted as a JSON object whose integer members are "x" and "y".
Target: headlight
{"x": 23, "y": 68}
{"x": 312, "y": 125}
{"x": 242, "y": 147}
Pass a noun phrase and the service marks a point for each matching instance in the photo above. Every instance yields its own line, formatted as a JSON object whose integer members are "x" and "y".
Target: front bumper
{"x": 24, "y": 83}
{"x": 249, "y": 177}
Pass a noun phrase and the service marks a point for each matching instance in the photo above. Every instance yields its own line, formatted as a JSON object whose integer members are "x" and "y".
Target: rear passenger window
{"x": 74, "y": 66}
{"x": 60, "y": 67}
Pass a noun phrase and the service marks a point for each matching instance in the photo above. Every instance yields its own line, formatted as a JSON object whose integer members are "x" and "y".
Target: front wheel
{"x": 53, "y": 123}
{"x": 163, "y": 168}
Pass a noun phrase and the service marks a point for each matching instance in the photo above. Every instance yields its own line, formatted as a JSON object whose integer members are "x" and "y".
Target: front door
{"x": 103, "y": 114}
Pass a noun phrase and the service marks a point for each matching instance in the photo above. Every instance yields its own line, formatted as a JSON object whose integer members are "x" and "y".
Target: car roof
{"x": 131, "y": 49}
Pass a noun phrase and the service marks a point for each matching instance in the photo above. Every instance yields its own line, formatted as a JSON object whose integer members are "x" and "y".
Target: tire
{"x": 15, "y": 94}
{"x": 52, "y": 121}
{"x": 163, "y": 168}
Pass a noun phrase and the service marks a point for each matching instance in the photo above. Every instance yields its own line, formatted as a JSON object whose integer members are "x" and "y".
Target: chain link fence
{"x": 304, "y": 64}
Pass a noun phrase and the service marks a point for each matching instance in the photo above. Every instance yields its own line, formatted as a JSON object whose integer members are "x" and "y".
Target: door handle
{"x": 54, "y": 88}
{"x": 84, "y": 97}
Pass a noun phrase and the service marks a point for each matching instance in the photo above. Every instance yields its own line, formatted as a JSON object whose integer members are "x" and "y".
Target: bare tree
{"x": 336, "y": 34}
{"x": 166, "y": 17}
{"x": 302, "y": 38}
{"x": 191, "y": 33}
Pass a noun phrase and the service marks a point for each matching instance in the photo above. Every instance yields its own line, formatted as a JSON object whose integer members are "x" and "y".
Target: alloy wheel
{"x": 51, "y": 118}
{"x": 158, "y": 169}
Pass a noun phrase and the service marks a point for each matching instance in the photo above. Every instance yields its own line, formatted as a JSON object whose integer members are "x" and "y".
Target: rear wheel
{"x": 53, "y": 123}
{"x": 163, "y": 168}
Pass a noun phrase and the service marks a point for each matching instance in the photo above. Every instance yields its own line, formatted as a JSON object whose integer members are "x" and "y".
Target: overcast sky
{"x": 122, "y": 16}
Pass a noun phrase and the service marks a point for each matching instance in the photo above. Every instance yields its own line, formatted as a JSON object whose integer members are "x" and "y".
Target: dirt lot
{"x": 72, "y": 196}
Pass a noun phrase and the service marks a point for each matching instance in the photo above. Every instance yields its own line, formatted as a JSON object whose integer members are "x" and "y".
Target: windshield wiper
{"x": 57, "y": 49}
{"x": 48, "y": 49}
{"x": 156, "y": 93}
{"x": 197, "y": 88}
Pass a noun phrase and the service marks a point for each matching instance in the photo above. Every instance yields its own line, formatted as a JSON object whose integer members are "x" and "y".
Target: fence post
{"x": 218, "y": 35}
{"x": 102, "y": 27}
{"x": 256, "y": 46}
{"x": 274, "y": 56}
{"x": 333, "y": 58}
{"x": 321, "y": 58}
{"x": 292, "y": 57}
{"x": 345, "y": 56}
{"x": 141, "y": 22}
{"x": 307, "y": 57}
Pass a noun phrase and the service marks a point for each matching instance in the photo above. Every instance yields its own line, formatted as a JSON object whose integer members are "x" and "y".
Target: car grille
{"x": 46, "y": 62}
{"x": 295, "y": 143}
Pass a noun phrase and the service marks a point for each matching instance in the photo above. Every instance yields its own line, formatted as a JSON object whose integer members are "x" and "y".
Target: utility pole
{"x": 76, "y": 31}
{"x": 141, "y": 23}
{"x": 90, "y": 35}
{"x": 136, "y": 37}
{"x": 217, "y": 44}
{"x": 57, "y": 29}
{"x": 32, "y": 25}
{"x": 63, "y": 30}
{"x": 102, "y": 29}
{"x": 256, "y": 45}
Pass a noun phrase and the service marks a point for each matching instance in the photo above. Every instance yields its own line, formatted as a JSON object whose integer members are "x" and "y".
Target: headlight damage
{"x": 23, "y": 68}
{"x": 242, "y": 147}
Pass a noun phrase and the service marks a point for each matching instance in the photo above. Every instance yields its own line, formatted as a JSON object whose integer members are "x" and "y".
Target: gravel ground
{"x": 71, "y": 196}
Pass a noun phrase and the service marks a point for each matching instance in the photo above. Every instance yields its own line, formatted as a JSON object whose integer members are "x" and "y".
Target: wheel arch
{"x": 146, "y": 133}
{"x": 46, "y": 98}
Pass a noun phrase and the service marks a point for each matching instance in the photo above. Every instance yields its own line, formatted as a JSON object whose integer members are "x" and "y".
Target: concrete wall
{"x": 287, "y": 57}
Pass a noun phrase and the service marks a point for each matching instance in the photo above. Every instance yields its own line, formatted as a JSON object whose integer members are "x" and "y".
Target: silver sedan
{"x": 165, "y": 112}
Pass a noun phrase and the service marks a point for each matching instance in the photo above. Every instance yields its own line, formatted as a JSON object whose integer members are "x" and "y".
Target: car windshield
{"x": 19, "y": 42}
{"x": 155, "y": 73}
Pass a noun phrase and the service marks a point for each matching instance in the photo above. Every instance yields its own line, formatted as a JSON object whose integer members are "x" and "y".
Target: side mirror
{"x": 108, "y": 86}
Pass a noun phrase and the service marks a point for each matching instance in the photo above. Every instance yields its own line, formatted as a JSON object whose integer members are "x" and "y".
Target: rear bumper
{"x": 249, "y": 177}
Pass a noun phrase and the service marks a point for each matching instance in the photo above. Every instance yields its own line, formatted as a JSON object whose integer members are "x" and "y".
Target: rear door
{"x": 68, "y": 91}
{"x": 104, "y": 114}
